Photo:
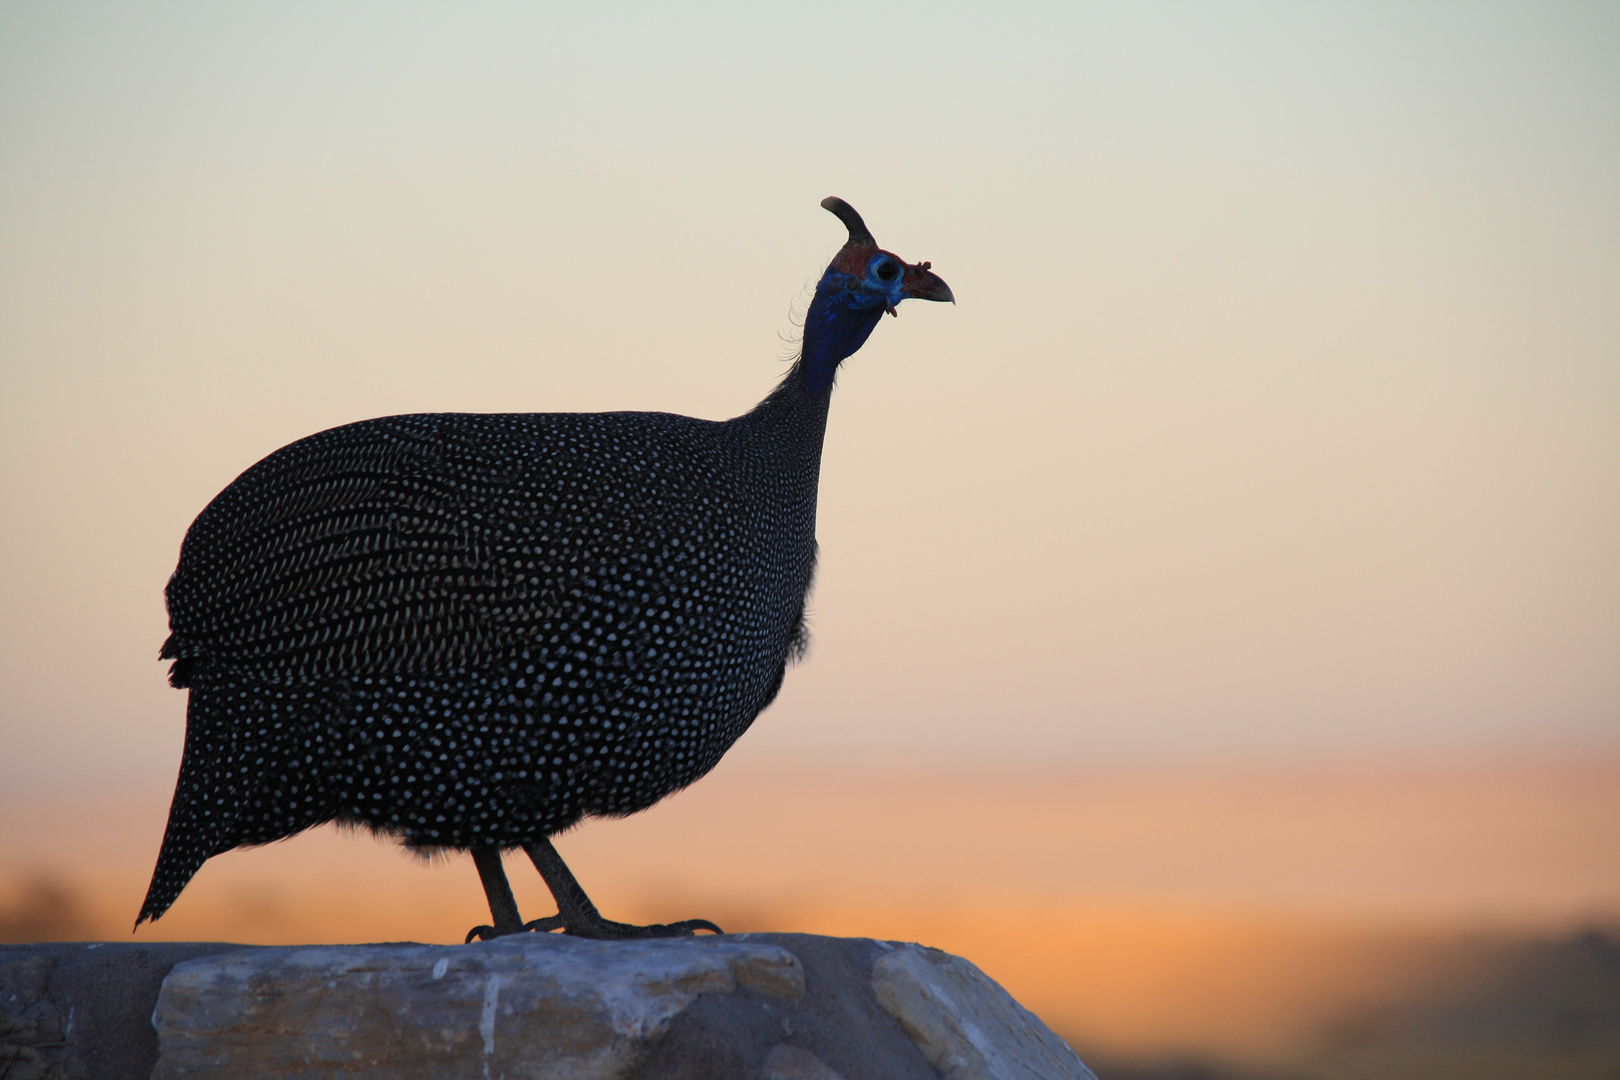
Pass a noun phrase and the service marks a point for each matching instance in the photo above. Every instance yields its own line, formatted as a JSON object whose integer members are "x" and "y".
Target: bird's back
{"x": 434, "y": 543}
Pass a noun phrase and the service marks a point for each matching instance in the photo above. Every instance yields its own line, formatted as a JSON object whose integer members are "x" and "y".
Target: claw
{"x": 607, "y": 930}
{"x": 691, "y": 926}
{"x": 482, "y": 933}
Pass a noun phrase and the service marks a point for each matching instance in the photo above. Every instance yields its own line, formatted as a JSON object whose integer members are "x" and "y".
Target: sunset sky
{"x": 1217, "y": 631}
{"x": 1278, "y": 419}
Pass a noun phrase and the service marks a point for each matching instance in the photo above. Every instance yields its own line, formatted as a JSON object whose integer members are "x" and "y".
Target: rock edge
{"x": 778, "y": 1006}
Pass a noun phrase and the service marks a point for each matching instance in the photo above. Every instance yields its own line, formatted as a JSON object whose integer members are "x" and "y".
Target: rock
{"x": 965, "y": 1023}
{"x": 551, "y": 1005}
{"x": 771, "y": 1006}
{"x": 786, "y": 1062}
{"x": 83, "y": 1011}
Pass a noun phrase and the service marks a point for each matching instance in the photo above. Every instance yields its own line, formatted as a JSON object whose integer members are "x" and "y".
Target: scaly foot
{"x": 576, "y": 914}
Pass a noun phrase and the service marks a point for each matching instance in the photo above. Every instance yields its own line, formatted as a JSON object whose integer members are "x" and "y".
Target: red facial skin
{"x": 917, "y": 282}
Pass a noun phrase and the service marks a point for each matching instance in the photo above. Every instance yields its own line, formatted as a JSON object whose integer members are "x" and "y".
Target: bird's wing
{"x": 408, "y": 544}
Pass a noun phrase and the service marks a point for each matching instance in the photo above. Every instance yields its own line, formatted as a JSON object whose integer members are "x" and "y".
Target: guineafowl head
{"x": 861, "y": 283}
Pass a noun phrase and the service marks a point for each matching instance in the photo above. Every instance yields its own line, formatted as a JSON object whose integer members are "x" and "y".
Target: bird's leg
{"x": 502, "y": 906}
{"x": 578, "y": 916}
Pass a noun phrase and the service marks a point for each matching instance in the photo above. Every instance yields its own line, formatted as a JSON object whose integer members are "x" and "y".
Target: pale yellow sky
{"x": 1279, "y": 416}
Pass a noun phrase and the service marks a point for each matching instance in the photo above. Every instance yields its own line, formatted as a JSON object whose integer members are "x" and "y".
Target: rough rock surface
{"x": 770, "y": 1006}
{"x": 965, "y": 1024}
{"x": 84, "y": 1011}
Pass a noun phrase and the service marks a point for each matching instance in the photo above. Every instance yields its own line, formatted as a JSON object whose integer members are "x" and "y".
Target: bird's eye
{"x": 887, "y": 271}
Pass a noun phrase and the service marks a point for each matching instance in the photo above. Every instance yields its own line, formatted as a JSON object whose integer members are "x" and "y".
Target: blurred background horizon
{"x": 1227, "y": 584}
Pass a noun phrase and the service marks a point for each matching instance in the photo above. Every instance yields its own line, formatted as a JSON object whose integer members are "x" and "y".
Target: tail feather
{"x": 243, "y": 779}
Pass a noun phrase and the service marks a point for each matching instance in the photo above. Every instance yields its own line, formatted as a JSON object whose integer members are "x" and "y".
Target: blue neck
{"x": 837, "y": 324}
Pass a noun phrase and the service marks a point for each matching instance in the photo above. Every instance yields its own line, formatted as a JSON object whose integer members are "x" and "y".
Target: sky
{"x": 1278, "y": 417}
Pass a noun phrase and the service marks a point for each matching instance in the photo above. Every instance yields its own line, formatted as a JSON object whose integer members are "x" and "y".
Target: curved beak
{"x": 920, "y": 283}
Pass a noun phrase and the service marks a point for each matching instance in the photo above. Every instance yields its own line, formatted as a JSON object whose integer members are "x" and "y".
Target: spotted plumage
{"x": 472, "y": 631}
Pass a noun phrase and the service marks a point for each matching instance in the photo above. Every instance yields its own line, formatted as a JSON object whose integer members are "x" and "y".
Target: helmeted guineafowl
{"x": 472, "y": 631}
